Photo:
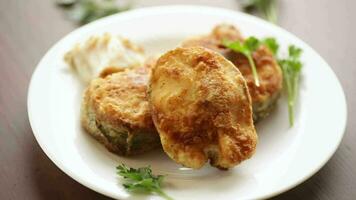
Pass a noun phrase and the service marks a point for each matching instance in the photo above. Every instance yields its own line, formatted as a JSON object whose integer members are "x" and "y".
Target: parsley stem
{"x": 163, "y": 194}
{"x": 291, "y": 112}
{"x": 253, "y": 68}
{"x": 290, "y": 92}
{"x": 293, "y": 96}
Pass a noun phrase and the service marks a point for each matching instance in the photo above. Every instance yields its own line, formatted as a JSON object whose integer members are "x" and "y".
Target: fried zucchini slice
{"x": 201, "y": 108}
{"x": 115, "y": 111}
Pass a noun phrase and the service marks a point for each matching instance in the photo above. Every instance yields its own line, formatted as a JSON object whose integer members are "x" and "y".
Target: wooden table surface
{"x": 29, "y": 28}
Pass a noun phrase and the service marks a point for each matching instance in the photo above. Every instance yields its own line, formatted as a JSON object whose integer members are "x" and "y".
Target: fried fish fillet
{"x": 115, "y": 111}
{"x": 201, "y": 108}
{"x": 266, "y": 95}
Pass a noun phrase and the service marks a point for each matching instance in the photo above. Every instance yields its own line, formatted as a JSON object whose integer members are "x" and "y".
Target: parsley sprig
{"x": 142, "y": 180}
{"x": 291, "y": 68}
{"x": 246, "y": 48}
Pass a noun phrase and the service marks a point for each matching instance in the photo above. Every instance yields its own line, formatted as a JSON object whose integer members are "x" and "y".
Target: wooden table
{"x": 29, "y": 28}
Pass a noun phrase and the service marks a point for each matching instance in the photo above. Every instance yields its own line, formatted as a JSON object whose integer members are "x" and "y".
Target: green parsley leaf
{"x": 246, "y": 48}
{"x": 271, "y": 44}
{"x": 142, "y": 180}
{"x": 294, "y": 52}
{"x": 291, "y": 68}
{"x": 252, "y": 43}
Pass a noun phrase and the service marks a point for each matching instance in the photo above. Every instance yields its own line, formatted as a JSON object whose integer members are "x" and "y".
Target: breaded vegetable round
{"x": 266, "y": 95}
{"x": 115, "y": 111}
{"x": 201, "y": 108}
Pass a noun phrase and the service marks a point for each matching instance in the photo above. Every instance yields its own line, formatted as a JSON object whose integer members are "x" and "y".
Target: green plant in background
{"x": 85, "y": 11}
{"x": 266, "y": 8}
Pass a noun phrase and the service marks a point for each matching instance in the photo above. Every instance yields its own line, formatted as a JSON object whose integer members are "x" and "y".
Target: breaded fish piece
{"x": 266, "y": 95}
{"x": 115, "y": 111}
{"x": 201, "y": 108}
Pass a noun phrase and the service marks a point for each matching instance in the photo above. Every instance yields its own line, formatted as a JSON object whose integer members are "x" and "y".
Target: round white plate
{"x": 284, "y": 158}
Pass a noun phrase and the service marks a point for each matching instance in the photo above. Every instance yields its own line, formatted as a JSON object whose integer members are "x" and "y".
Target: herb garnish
{"x": 291, "y": 68}
{"x": 267, "y": 8}
{"x": 142, "y": 180}
{"x": 271, "y": 44}
{"x": 85, "y": 11}
{"x": 246, "y": 48}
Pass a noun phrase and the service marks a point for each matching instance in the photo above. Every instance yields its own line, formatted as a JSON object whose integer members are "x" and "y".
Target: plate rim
{"x": 162, "y": 10}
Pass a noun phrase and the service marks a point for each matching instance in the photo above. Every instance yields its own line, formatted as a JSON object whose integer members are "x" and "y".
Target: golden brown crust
{"x": 121, "y": 98}
{"x": 116, "y": 106}
{"x": 269, "y": 72}
{"x": 202, "y": 108}
{"x": 110, "y": 70}
{"x": 213, "y": 40}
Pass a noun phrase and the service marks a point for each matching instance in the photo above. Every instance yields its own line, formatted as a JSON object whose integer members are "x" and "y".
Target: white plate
{"x": 285, "y": 156}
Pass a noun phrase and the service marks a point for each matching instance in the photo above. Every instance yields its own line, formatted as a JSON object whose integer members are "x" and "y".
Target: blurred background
{"x": 28, "y": 28}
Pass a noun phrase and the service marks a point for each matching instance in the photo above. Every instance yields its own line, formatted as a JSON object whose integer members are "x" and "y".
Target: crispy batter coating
{"x": 201, "y": 108}
{"x": 115, "y": 111}
{"x": 213, "y": 40}
{"x": 263, "y": 97}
